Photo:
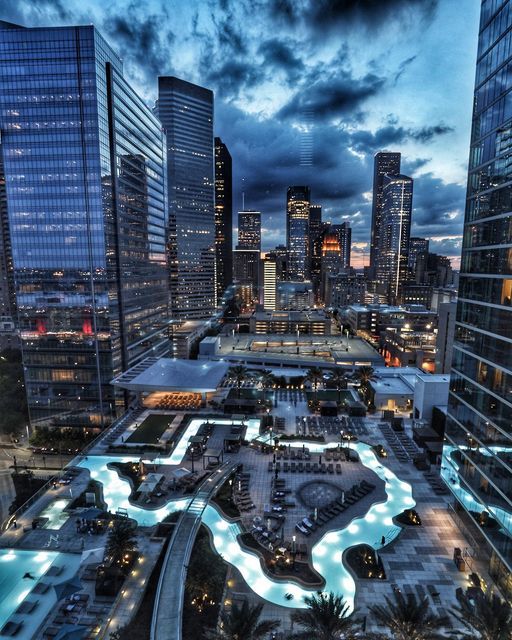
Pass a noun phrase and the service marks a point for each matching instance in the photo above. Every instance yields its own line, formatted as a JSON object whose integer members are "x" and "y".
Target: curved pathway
{"x": 167, "y": 613}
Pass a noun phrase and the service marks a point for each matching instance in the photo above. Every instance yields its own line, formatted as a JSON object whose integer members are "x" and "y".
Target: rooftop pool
{"x": 326, "y": 553}
{"x": 14, "y": 588}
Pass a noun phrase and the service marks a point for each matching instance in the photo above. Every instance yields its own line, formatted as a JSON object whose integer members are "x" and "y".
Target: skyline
{"x": 354, "y": 89}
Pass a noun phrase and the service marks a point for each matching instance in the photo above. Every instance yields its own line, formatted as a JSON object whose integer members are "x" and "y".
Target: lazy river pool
{"x": 326, "y": 553}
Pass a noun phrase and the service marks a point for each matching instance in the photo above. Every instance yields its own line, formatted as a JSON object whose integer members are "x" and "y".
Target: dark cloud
{"x": 322, "y": 15}
{"x": 333, "y": 97}
{"x": 279, "y": 54}
{"x": 143, "y": 38}
{"x": 371, "y": 142}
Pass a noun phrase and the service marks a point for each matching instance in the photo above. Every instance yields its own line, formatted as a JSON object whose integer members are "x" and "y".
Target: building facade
{"x": 269, "y": 297}
{"x": 384, "y": 163}
{"x": 249, "y": 230}
{"x": 186, "y": 113}
{"x": 393, "y": 258}
{"x": 223, "y": 218}
{"x": 297, "y": 232}
{"x": 418, "y": 253}
{"x": 477, "y": 454}
{"x": 87, "y": 227}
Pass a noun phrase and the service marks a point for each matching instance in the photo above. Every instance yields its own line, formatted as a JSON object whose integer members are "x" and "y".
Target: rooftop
{"x": 172, "y": 374}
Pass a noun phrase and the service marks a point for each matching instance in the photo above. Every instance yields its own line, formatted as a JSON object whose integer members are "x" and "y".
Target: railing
{"x": 225, "y": 470}
{"x": 28, "y": 503}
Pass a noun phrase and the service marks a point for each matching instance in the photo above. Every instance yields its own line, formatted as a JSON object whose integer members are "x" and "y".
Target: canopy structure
{"x": 151, "y": 482}
{"x": 212, "y": 454}
{"x": 172, "y": 374}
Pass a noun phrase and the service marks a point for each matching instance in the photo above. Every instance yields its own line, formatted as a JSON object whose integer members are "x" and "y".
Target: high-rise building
{"x": 269, "y": 284}
{"x": 186, "y": 113}
{"x": 7, "y": 295}
{"x": 385, "y": 163}
{"x": 315, "y": 244}
{"x": 395, "y": 231}
{"x": 297, "y": 232}
{"x": 249, "y": 230}
{"x": 223, "y": 218}
{"x": 438, "y": 270}
{"x": 477, "y": 455}
{"x": 280, "y": 255}
{"x": 345, "y": 239}
{"x": 418, "y": 252}
{"x": 84, "y": 162}
{"x": 246, "y": 272}
{"x": 331, "y": 259}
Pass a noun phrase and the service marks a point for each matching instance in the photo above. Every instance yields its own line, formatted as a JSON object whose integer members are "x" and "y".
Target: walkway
{"x": 167, "y": 614}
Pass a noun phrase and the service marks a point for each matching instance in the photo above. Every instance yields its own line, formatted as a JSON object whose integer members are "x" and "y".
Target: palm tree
{"x": 314, "y": 376}
{"x": 240, "y": 374}
{"x": 339, "y": 380}
{"x": 365, "y": 375}
{"x": 409, "y": 619}
{"x": 326, "y": 617}
{"x": 486, "y": 614}
{"x": 243, "y": 623}
{"x": 120, "y": 542}
{"x": 268, "y": 380}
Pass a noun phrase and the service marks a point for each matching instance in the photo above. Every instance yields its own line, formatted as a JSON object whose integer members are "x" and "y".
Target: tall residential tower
{"x": 84, "y": 162}
{"x": 223, "y": 217}
{"x": 186, "y": 113}
{"x": 477, "y": 456}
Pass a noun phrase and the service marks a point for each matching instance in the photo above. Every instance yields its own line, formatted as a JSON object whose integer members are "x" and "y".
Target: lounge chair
{"x": 300, "y": 527}
{"x": 54, "y": 571}
{"x": 309, "y": 525}
{"x": 330, "y": 468}
{"x": 42, "y": 587}
{"x": 27, "y": 606}
{"x": 11, "y": 628}
{"x": 293, "y": 467}
{"x": 285, "y": 467}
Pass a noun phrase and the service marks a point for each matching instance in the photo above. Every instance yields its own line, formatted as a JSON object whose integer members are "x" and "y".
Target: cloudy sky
{"x": 350, "y": 77}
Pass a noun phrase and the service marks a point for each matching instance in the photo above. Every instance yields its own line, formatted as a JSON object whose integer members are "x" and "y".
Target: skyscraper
{"x": 316, "y": 229}
{"x": 385, "y": 163}
{"x": 223, "y": 217}
{"x": 297, "y": 232}
{"x": 395, "y": 231}
{"x": 344, "y": 233}
{"x": 269, "y": 284}
{"x": 418, "y": 253}
{"x": 84, "y": 163}
{"x": 186, "y": 113}
{"x": 249, "y": 230}
{"x": 477, "y": 456}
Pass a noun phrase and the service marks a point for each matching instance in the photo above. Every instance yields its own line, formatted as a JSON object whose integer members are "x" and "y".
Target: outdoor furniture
{"x": 11, "y": 628}
{"x": 41, "y": 587}
{"x": 54, "y": 571}
{"x": 27, "y": 606}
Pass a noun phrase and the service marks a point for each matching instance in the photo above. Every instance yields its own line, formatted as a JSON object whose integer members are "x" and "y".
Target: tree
{"x": 339, "y": 380}
{"x": 409, "y": 619}
{"x": 120, "y": 542}
{"x": 326, "y": 617}
{"x": 486, "y": 614}
{"x": 240, "y": 374}
{"x": 268, "y": 381}
{"x": 314, "y": 376}
{"x": 243, "y": 623}
{"x": 365, "y": 375}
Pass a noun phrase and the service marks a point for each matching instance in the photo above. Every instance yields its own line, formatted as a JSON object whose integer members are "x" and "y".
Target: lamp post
{"x": 192, "y": 457}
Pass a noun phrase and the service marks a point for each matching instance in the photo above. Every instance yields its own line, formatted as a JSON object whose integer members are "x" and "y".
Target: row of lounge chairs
{"x": 306, "y": 467}
{"x": 438, "y": 486}
{"x": 311, "y": 523}
{"x": 242, "y": 495}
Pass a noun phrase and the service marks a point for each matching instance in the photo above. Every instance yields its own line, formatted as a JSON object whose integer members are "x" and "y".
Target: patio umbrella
{"x": 71, "y": 632}
{"x": 68, "y": 587}
{"x": 91, "y": 556}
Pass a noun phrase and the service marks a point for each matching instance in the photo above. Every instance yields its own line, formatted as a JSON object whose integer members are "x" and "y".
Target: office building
{"x": 223, "y": 218}
{"x": 385, "y": 163}
{"x": 330, "y": 260}
{"x": 438, "y": 271}
{"x": 186, "y": 113}
{"x": 344, "y": 233}
{"x": 246, "y": 274}
{"x": 7, "y": 295}
{"x": 297, "y": 232}
{"x": 345, "y": 288}
{"x": 84, "y": 163}
{"x": 295, "y": 296}
{"x": 269, "y": 300}
{"x": 249, "y": 230}
{"x": 316, "y": 228}
{"x": 280, "y": 255}
{"x": 418, "y": 253}
{"x": 477, "y": 456}
{"x": 393, "y": 257}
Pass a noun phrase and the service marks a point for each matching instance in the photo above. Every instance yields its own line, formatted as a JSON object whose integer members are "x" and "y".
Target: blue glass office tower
{"x": 477, "y": 456}
{"x": 298, "y": 201}
{"x": 186, "y": 113}
{"x": 85, "y": 172}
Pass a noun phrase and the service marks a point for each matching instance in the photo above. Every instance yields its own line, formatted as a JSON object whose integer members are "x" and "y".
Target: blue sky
{"x": 359, "y": 75}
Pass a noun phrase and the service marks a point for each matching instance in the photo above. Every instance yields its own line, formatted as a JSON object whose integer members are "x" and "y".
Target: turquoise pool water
{"x": 55, "y": 514}
{"x": 326, "y": 554}
{"x": 14, "y": 563}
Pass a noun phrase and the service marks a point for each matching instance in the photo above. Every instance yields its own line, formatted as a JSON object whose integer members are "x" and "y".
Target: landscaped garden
{"x": 151, "y": 429}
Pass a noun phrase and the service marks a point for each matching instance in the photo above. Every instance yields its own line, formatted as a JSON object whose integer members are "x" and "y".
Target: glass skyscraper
{"x": 384, "y": 163}
{"x": 394, "y": 234}
{"x": 84, "y": 163}
{"x": 223, "y": 217}
{"x": 477, "y": 456}
{"x": 297, "y": 232}
{"x": 249, "y": 230}
{"x": 186, "y": 113}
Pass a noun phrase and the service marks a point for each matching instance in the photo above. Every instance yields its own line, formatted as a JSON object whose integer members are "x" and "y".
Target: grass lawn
{"x": 330, "y": 394}
{"x": 151, "y": 428}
